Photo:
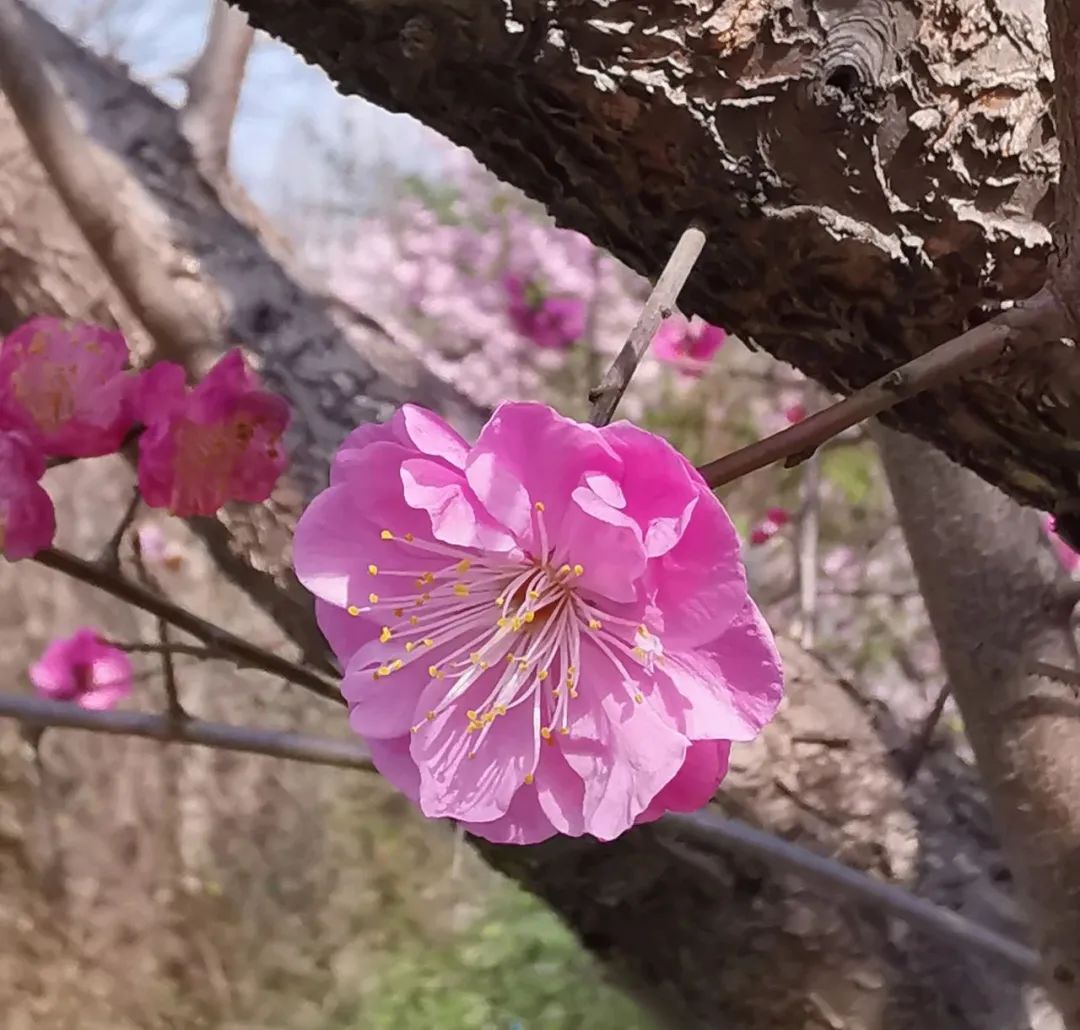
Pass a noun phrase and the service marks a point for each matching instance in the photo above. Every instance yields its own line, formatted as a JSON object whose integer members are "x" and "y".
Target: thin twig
{"x": 806, "y": 543}
{"x": 207, "y": 654}
{"x": 238, "y": 649}
{"x": 1035, "y": 320}
{"x": 1070, "y": 677}
{"x": 168, "y": 667}
{"x": 732, "y": 835}
{"x": 606, "y": 396}
{"x": 704, "y": 827}
{"x": 110, "y": 553}
{"x": 914, "y": 754}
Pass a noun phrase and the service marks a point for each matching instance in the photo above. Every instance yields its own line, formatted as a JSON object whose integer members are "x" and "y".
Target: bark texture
{"x": 873, "y": 177}
{"x": 995, "y": 603}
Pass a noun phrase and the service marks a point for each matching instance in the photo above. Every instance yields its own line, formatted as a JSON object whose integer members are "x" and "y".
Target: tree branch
{"x": 1033, "y": 321}
{"x": 214, "y": 636}
{"x": 705, "y": 828}
{"x": 214, "y": 84}
{"x": 661, "y": 301}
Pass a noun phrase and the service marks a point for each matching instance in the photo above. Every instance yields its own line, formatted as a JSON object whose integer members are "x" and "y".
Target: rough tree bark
{"x": 668, "y": 918}
{"x": 996, "y": 605}
{"x": 873, "y": 177}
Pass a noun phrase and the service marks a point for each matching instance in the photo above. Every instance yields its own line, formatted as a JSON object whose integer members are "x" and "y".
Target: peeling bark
{"x": 873, "y": 178}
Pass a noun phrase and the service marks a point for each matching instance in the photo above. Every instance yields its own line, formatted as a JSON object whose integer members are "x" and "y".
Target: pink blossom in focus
{"x": 687, "y": 345}
{"x": 775, "y": 520}
{"x": 545, "y": 632}
{"x": 554, "y": 322}
{"x": 69, "y": 381}
{"x": 27, "y": 518}
{"x": 83, "y": 669}
{"x": 218, "y": 442}
{"x": 1066, "y": 555}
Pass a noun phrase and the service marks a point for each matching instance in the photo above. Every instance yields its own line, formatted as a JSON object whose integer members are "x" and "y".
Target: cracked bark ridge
{"x": 847, "y": 233}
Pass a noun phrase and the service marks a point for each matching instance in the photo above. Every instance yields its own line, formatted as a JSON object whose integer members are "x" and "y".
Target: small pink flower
{"x": 687, "y": 345}
{"x": 83, "y": 669}
{"x": 157, "y": 549}
{"x": 218, "y": 442}
{"x": 1066, "y": 555}
{"x": 545, "y": 632}
{"x": 69, "y": 381}
{"x": 775, "y": 520}
{"x": 27, "y": 518}
{"x": 554, "y": 322}
{"x": 795, "y": 413}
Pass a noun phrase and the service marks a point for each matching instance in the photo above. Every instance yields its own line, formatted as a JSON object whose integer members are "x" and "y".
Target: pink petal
{"x": 523, "y": 823}
{"x": 345, "y": 633}
{"x": 694, "y": 785}
{"x": 727, "y": 689}
{"x": 394, "y": 761}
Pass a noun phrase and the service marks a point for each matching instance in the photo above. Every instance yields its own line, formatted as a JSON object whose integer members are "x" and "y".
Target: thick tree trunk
{"x": 994, "y": 593}
{"x": 873, "y": 177}
{"x": 708, "y": 940}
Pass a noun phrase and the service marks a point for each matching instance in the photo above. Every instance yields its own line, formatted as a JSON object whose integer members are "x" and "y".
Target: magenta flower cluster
{"x": 545, "y": 632}
{"x": 66, "y": 391}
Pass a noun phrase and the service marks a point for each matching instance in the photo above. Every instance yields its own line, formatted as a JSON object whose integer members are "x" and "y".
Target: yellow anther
{"x": 487, "y": 718}
{"x": 471, "y": 754}
{"x": 409, "y": 645}
{"x": 545, "y": 732}
{"x": 639, "y": 652}
{"x": 430, "y": 716}
{"x": 542, "y": 675}
{"x": 396, "y": 664}
{"x": 643, "y": 630}
{"x": 510, "y": 658}
{"x": 373, "y": 570}
{"x": 565, "y": 731}
{"x": 595, "y": 624}
{"x": 522, "y": 663}
{"x": 409, "y": 537}
{"x": 464, "y": 565}
{"x": 533, "y": 595}
{"x": 461, "y": 589}
{"x": 353, "y": 610}
{"x": 555, "y": 692}
{"x": 385, "y": 635}
{"x": 428, "y": 642}
{"x": 485, "y": 665}
{"x": 475, "y": 657}
{"x": 579, "y": 570}
{"x": 564, "y": 569}
{"x": 428, "y": 577}
{"x": 502, "y": 622}
{"x": 529, "y": 616}
{"x": 414, "y": 620}
{"x": 570, "y": 670}
{"x": 516, "y": 623}
{"x": 399, "y": 612}
{"x": 500, "y": 709}
{"x": 414, "y": 729}
{"x": 383, "y": 670}
{"x": 373, "y": 598}
{"x": 539, "y": 505}
{"x": 386, "y": 535}
{"x": 529, "y": 776}
{"x": 573, "y": 691}
{"x": 471, "y": 715}
{"x": 638, "y": 698}
{"x": 472, "y": 727}
{"x": 500, "y": 601}
{"x": 433, "y": 671}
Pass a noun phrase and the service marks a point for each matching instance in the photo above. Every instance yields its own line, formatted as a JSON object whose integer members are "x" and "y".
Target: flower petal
{"x": 694, "y": 785}
{"x": 524, "y": 822}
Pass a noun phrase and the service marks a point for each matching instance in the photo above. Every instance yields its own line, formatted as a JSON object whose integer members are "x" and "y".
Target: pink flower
{"x": 27, "y": 518}
{"x": 1069, "y": 559}
{"x": 687, "y": 345}
{"x": 157, "y": 549}
{"x": 219, "y": 442}
{"x": 545, "y": 632}
{"x": 553, "y": 322}
{"x": 68, "y": 381}
{"x": 795, "y": 413}
{"x": 775, "y": 520}
{"x": 83, "y": 669}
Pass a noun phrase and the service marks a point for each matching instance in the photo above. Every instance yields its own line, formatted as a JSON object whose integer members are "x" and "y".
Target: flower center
{"x": 514, "y": 625}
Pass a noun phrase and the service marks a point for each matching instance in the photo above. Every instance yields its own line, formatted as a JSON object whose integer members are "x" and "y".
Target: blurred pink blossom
{"x": 157, "y": 549}
{"x": 83, "y": 669}
{"x": 536, "y": 647}
{"x": 688, "y": 345}
{"x": 70, "y": 382}
{"x": 549, "y": 321}
{"x": 218, "y": 442}
{"x": 775, "y": 519}
{"x": 795, "y": 413}
{"x": 27, "y": 518}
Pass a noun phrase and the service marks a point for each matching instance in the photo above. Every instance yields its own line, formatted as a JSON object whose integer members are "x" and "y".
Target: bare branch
{"x": 235, "y": 647}
{"x": 75, "y": 167}
{"x": 110, "y": 553}
{"x": 1058, "y": 673}
{"x": 1036, "y": 320}
{"x": 214, "y": 84}
{"x": 705, "y": 828}
{"x": 606, "y": 396}
{"x": 912, "y": 758}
